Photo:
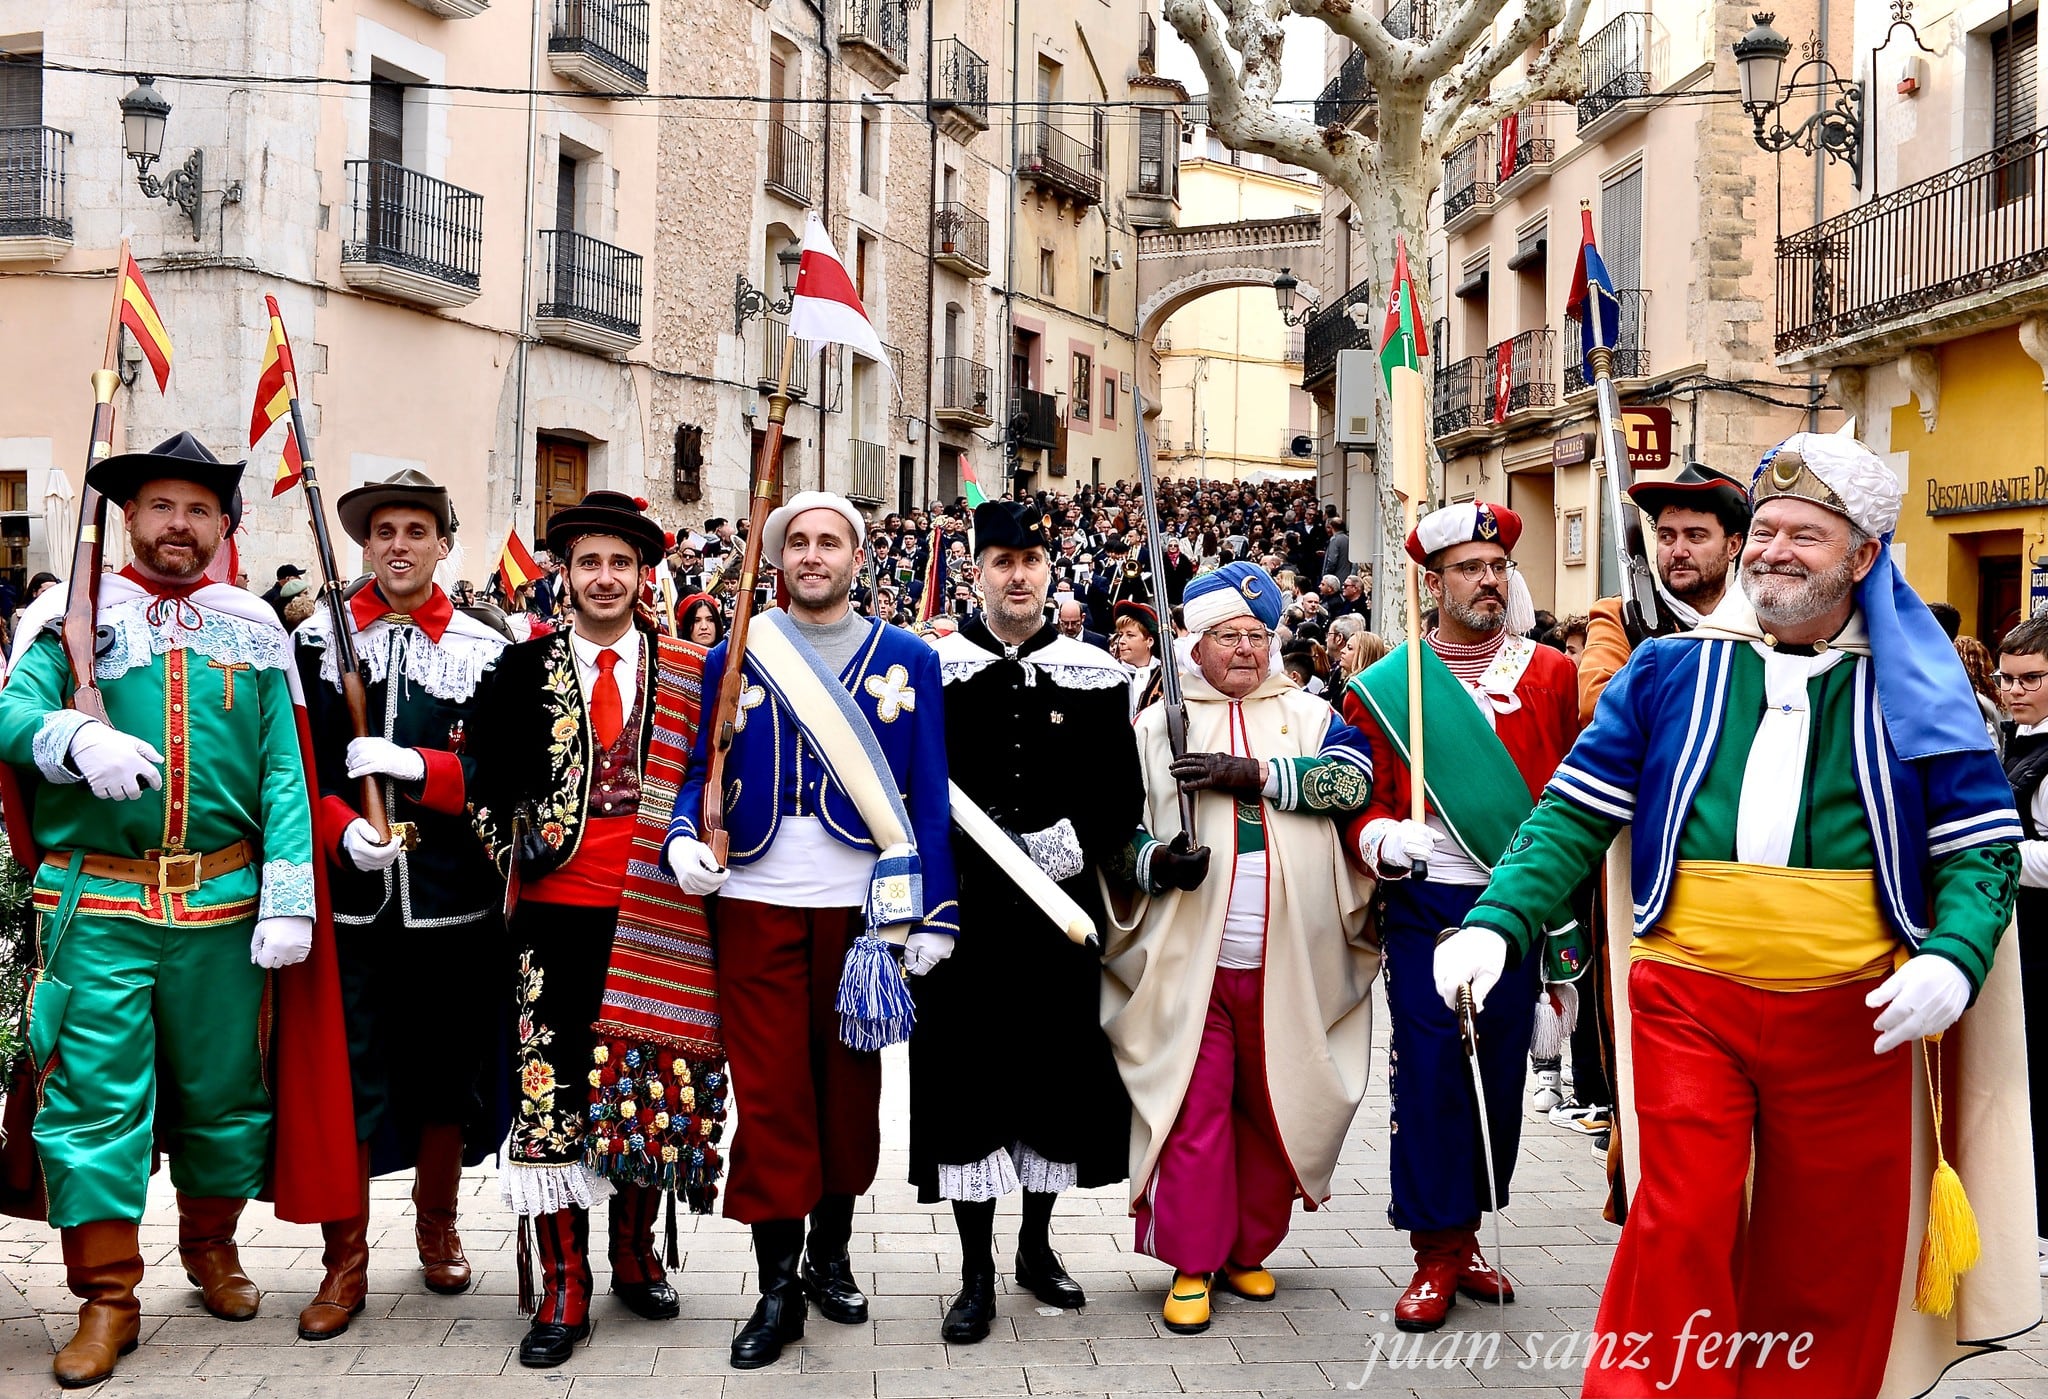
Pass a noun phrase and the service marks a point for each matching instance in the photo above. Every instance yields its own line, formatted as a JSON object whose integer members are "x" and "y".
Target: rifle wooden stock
{"x": 81, "y": 606}
{"x": 711, "y": 826}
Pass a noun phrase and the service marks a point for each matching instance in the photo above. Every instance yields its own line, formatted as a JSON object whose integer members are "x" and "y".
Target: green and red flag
{"x": 1404, "y": 343}
{"x": 970, "y": 487}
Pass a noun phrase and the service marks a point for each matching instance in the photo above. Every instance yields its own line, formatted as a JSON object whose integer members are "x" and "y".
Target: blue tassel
{"x": 875, "y": 1009}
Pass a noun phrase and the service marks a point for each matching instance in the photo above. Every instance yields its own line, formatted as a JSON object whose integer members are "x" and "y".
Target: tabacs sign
{"x": 1647, "y": 432}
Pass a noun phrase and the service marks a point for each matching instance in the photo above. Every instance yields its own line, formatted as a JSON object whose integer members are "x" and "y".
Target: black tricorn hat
{"x": 1006, "y": 524}
{"x": 180, "y": 458}
{"x": 606, "y": 512}
{"x": 409, "y": 487}
{"x": 1697, "y": 487}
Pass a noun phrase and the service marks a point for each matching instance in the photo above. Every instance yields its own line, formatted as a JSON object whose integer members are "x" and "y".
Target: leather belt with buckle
{"x": 171, "y": 871}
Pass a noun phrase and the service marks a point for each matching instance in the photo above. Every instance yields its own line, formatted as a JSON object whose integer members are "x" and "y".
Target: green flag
{"x": 1404, "y": 343}
{"x": 970, "y": 487}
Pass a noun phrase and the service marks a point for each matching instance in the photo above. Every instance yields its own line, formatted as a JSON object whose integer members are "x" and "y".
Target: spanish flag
{"x": 515, "y": 566}
{"x": 277, "y": 387}
{"x": 138, "y": 313}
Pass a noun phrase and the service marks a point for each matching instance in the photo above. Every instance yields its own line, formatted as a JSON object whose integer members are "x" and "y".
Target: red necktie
{"x": 607, "y": 715}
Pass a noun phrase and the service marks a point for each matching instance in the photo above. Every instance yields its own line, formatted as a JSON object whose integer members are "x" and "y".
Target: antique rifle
{"x": 79, "y": 633}
{"x": 1169, "y": 663}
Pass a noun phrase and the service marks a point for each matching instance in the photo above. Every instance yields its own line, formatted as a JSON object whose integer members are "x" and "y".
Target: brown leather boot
{"x": 101, "y": 1264}
{"x": 206, "y": 1246}
{"x": 437, "y": 1177}
{"x": 347, "y": 1260}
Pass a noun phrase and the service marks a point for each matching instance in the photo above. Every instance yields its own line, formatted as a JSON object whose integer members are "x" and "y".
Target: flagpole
{"x": 723, "y": 715}
{"x": 1411, "y": 478}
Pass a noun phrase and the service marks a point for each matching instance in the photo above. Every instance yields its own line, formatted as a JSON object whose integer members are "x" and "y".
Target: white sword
{"x": 1468, "y": 1031}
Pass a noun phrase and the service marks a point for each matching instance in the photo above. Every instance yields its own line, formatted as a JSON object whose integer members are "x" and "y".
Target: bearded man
{"x": 1241, "y": 1108}
{"x": 1826, "y": 865}
{"x": 176, "y": 876}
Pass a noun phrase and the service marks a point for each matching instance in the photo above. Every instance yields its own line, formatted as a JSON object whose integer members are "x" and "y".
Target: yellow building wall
{"x": 1989, "y": 444}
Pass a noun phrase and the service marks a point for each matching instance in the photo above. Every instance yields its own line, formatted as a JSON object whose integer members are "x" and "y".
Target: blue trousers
{"x": 1437, "y": 1169}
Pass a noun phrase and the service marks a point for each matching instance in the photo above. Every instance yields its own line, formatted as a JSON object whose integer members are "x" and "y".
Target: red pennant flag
{"x": 515, "y": 565}
{"x": 1503, "y": 379}
{"x": 139, "y": 314}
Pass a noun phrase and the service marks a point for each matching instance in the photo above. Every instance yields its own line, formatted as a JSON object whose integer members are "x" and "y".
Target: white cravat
{"x": 1776, "y": 771}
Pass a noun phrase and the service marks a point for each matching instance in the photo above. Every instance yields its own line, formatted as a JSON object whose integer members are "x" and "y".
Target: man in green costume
{"x": 176, "y": 875}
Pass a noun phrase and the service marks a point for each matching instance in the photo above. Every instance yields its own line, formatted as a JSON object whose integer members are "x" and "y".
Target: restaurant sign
{"x": 2024, "y": 491}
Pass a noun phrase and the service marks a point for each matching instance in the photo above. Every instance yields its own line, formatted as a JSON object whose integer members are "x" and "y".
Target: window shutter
{"x": 21, "y": 91}
{"x": 2012, "y": 80}
{"x": 387, "y": 121}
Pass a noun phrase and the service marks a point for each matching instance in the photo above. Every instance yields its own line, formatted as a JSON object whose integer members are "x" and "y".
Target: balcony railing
{"x": 1297, "y": 346}
{"x": 1346, "y": 95}
{"x": 1469, "y": 173}
{"x": 1631, "y": 348}
{"x": 870, "y": 471}
{"x": 32, "y": 194}
{"x": 1061, "y": 162}
{"x": 403, "y": 219}
{"x": 1458, "y": 396}
{"x": 961, "y": 238}
{"x": 1408, "y": 19}
{"x": 881, "y": 25}
{"x": 965, "y": 391}
{"x": 789, "y": 161}
{"x": 1971, "y": 230}
{"x": 1148, "y": 41}
{"x": 1531, "y": 380}
{"x": 590, "y": 286}
{"x": 960, "y": 82}
{"x": 1617, "y": 66}
{"x": 774, "y": 334}
{"x": 1330, "y": 330}
{"x": 1533, "y": 147}
{"x": 1036, "y": 418}
{"x": 612, "y": 33}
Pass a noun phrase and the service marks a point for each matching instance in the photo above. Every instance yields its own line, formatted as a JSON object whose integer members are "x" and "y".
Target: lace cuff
{"x": 52, "y": 744}
{"x": 990, "y": 1178}
{"x": 1055, "y": 850}
{"x": 1043, "y": 1177}
{"x": 287, "y": 890}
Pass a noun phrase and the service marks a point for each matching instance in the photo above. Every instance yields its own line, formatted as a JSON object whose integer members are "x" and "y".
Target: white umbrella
{"x": 60, "y": 526}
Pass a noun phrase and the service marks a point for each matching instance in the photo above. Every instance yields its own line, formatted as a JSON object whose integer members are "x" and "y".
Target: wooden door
{"x": 563, "y": 470}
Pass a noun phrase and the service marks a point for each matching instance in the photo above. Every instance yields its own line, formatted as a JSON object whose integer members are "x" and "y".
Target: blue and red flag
{"x": 1599, "y": 323}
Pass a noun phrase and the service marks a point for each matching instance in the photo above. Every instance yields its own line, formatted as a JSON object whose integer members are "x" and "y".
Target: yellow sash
{"x": 1772, "y": 928}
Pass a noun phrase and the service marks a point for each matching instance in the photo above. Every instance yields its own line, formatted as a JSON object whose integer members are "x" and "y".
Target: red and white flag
{"x": 827, "y": 309}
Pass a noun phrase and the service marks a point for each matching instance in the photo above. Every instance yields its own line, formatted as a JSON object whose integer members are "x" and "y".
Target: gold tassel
{"x": 1953, "y": 1243}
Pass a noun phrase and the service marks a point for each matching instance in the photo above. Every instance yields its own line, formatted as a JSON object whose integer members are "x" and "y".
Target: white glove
{"x": 115, "y": 765}
{"x": 1401, "y": 844}
{"x": 281, "y": 942}
{"x": 381, "y": 755}
{"x": 1471, "y": 956}
{"x": 359, "y": 842}
{"x": 1924, "y": 997}
{"x": 694, "y": 866}
{"x": 923, "y": 951}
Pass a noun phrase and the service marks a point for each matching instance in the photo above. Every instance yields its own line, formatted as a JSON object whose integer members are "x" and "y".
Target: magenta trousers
{"x": 1223, "y": 1189}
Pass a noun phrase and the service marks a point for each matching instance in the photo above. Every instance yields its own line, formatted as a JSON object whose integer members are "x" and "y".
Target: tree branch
{"x": 1557, "y": 71}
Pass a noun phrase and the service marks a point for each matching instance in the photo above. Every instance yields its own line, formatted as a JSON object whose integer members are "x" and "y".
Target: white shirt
{"x": 628, "y": 649}
{"x": 2034, "y": 853}
{"x": 806, "y": 867}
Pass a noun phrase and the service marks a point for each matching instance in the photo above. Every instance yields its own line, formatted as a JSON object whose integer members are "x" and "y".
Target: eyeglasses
{"x": 2025, "y": 684}
{"x": 1472, "y": 570}
{"x": 1238, "y": 639}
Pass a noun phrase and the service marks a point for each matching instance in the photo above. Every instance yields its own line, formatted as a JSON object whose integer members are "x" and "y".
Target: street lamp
{"x": 144, "y": 115}
{"x": 1836, "y": 131}
{"x": 1287, "y": 291}
{"x": 749, "y": 301}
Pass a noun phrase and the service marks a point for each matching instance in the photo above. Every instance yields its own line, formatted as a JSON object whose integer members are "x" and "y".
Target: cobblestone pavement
{"x": 1339, "y": 1273}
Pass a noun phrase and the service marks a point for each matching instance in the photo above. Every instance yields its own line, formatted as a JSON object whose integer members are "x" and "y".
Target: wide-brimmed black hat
{"x": 180, "y": 458}
{"x": 605, "y": 512}
{"x": 409, "y": 487}
{"x": 1006, "y": 524}
{"x": 1697, "y": 487}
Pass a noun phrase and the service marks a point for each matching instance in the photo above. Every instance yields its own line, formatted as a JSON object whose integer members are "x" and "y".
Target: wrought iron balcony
{"x": 959, "y": 89}
{"x": 960, "y": 237}
{"x": 35, "y": 215}
{"x": 1459, "y": 400}
{"x": 789, "y": 162}
{"x": 870, "y": 472}
{"x": 600, "y": 44}
{"x": 1330, "y": 330}
{"x": 411, "y": 236}
{"x": 1960, "y": 249}
{"x": 964, "y": 394}
{"x": 874, "y": 35}
{"x": 775, "y": 334}
{"x": 1408, "y": 19}
{"x": 1347, "y": 95}
{"x": 1532, "y": 150}
{"x": 1469, "y": 180}
{"x": 1064, "y": 164}
{"x": 1531, "y": 378}
{"x": 1035, "y": 416}
{"x": 590, "y": 293}
{"x": 1617, "y": 66}
{"x": 1297, "y": 347}
{"x": 1631, "y": 348}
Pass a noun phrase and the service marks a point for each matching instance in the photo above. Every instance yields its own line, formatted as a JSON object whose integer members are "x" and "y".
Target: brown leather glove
{"x": 1221, "y": 772}
{"x": 1180, "y": 864}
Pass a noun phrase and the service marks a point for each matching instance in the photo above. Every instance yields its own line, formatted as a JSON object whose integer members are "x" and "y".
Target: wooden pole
{"x": 1411, "y": 479}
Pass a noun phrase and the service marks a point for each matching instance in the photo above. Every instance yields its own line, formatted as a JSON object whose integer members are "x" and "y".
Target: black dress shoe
{"x": 967, "y": 1320}
{"x": 831, "y": 1286}
{"x": 777, "y": 1320}
{"x": 550, "y": 1343}
{"x": 1047, "y": 1280}
{"x": 654, "y": 1300}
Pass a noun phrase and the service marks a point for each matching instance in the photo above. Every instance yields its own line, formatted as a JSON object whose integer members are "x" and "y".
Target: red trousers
{"x": 809, "y": 1108}
{"x": 1721, "y": 1069}
{"x": 1223, "y": 1190}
